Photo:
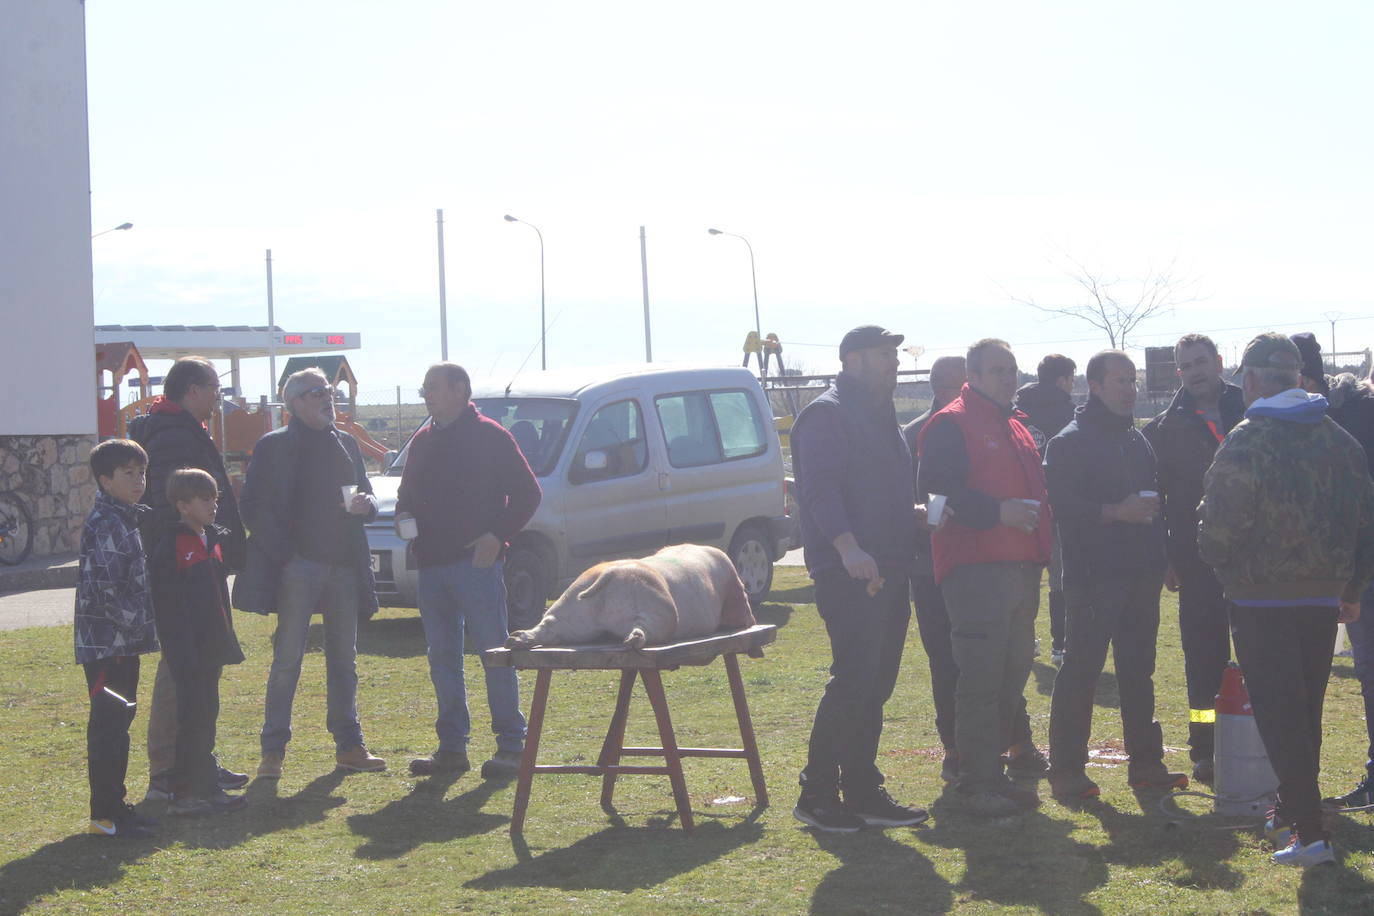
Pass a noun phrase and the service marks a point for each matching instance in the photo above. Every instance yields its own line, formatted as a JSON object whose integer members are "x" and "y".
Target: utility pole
{"x": 443, "y": 296}
{"x": 644, "y": 272}
{"x": 271, "y": 334}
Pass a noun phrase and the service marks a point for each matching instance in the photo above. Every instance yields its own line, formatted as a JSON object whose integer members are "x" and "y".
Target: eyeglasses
{"x": 321, "y": 391}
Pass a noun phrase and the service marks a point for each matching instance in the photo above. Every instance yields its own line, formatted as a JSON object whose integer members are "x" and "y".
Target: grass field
{"x": 389, "y": 843}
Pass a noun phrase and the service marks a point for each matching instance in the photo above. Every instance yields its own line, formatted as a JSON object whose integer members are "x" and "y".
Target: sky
{"x": 922, "y": 166}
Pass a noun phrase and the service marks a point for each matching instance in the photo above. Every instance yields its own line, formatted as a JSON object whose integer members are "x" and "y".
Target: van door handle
{"x": 665, "y": 481}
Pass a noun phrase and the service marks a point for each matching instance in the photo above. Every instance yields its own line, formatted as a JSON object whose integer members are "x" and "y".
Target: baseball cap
{"x": 868, "y": 335}
{"x": 1271, "y": 350}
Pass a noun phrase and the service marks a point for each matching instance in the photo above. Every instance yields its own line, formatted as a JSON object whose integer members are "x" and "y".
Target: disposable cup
{"x": 406, "y": 528}
{"x": 349, "y": 491}
{"x": 935, "y": 509}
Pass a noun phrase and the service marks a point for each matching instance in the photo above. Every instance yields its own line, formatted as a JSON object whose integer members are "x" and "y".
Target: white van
{"x": 630, "y": 459}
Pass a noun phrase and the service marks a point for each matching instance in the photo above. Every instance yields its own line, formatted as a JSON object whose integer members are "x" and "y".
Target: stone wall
{"x": 52, "y": 475}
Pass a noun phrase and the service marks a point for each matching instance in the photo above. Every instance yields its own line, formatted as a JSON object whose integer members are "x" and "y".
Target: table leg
{"x": 653, "y": 686}
{"x": 531, "y": 754}
{"x": 615, "y": 735}
{"x": 746, "y": 729}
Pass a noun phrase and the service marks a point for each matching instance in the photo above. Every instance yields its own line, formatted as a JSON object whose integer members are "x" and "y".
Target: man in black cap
{"x": 1313, "y": 372}
{"x": 858, "y": 526}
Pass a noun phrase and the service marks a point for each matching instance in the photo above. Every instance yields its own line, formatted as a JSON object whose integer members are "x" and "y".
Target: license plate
{"x": 376, "y": 562}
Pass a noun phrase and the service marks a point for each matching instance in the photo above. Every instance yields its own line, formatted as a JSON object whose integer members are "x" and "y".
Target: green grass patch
{"x": 384, "y": 843}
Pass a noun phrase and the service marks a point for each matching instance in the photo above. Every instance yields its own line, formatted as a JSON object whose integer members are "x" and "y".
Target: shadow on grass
{"x": 623, "y": 858}
{"x": 1050, "y": 872}
{"x": 267, "y": 812}
{"x": 390, "y": 637}
{"x": 801, "y": 594}
{"x": 774, "y": 613}
{"x": 1191, "y": 853}
{"x": 75, "y": 863}
{"x": 424, "y": 816}
{"x": 877, "y": 872}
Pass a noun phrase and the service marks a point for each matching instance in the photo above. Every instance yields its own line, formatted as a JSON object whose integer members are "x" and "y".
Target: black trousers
{"x": 1123, "y": 614}
{"x": 867, "y": 634}
{"x": 194, "y": 773}
{"x": 1285, "y": 654}
{"x": 932, "y": 621}
{"x": 1205, "y": 629}
{"x": 107, "y": 731}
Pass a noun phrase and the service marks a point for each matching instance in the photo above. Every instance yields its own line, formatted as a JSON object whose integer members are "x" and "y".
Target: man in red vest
{"x": 988, "y": 562}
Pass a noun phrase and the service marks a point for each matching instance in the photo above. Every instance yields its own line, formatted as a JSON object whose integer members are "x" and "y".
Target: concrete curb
{"x": 57, "y": 571}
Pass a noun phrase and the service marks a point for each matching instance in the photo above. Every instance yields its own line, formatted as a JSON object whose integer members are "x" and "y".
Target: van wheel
{"x": 749, "y": 553}
{"x": 527, "y": 588}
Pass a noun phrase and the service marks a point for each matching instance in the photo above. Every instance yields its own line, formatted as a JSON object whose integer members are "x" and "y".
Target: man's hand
{"x": 1019, "y": 514}
{"x": 359, "y": 504}
{"x": 857, "y": 562}
{"x": 1136, "y": 510}
{"x": 1349, "y": 613}
{"x": 485, "y": 550}
{"x": 1170, "y": 578}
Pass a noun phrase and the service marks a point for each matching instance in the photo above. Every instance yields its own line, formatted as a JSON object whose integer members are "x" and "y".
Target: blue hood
{"x": 1294, "y": 405}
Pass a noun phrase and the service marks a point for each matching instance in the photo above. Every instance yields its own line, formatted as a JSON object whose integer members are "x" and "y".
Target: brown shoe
{"x": 440, "y": 762}
{"x": 358, "y": 760}
{"x": 270, "y": 767}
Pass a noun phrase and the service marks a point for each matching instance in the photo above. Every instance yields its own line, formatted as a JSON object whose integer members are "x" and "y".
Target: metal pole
{"x": 443, "y": 294}
{"x": 543, "y": 352}
{"x": 271, "y": 333}
{"x": 644, "y": 272}
{"x": 400, "y": 430}
{"x": 1333, "y": 344}
{"x": 753, "y": 277}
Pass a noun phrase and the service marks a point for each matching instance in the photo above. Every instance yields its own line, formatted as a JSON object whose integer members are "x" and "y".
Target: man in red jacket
{"x": 470, "y": 490}
{"x": 988, "y": 562}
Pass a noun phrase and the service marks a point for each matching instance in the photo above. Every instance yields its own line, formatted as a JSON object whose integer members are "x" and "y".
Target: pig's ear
{"x": 735, "y": 612}
{"x": 602, "y": 580}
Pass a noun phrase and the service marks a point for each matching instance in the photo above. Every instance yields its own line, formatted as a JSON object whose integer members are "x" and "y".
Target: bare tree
{"x": 1118, "y": 306}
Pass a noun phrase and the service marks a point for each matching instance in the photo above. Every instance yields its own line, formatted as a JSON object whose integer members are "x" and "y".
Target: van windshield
{"x": 538, "y": 425}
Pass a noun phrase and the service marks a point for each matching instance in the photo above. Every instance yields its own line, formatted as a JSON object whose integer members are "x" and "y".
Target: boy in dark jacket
{"x": 191, "y": 601}
{"x": 113, "y": 627}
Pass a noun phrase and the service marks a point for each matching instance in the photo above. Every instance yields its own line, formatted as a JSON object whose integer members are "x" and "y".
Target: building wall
{"x": 46, "y": 316}
{"x": 47, "y": 353}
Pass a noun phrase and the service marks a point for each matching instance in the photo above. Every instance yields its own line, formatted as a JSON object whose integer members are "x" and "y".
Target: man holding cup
{"x": 1102, "y": 485}
{"x": 305, "y": 503}
{"x": 988, "y": 561}
{"x": 465, "y": 492}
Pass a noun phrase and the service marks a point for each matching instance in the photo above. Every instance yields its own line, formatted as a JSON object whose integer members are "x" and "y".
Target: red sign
{"x": 334, "y": 340}
{"x": 291, "y": 339}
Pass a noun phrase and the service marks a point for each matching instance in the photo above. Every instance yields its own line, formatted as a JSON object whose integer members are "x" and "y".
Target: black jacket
{"x": 1101, "y": 458}
{"x": 854, "y": 474}
{"x": 925, "y": 565}
{"x": 1352, "y": 406}
{"x": 173, "y": 440}
{"x": 268, "y": 498}
{"x": 1184, "y": 447}
{"x": 191, "y": 601}
{"x": 1048, "y": 407}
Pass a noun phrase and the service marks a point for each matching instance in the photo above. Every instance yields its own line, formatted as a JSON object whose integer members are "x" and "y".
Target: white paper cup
{"x": 349, "y": 491}
{"x": 935, "y": 509}
{"x": 1032, "y": 503}
{"x": 406, "y": 528}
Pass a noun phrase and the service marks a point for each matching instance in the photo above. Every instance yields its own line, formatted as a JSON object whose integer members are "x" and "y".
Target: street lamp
{"x": 753, "y": 277}
{"x": 543, "y": 353}
{"x": 114, "y": 229}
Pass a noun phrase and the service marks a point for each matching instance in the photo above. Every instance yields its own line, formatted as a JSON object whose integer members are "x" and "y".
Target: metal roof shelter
{"x": 234, "y": 343}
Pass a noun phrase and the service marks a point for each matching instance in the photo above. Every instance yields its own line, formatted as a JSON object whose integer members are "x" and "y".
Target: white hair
{"x": 298, "y": 383}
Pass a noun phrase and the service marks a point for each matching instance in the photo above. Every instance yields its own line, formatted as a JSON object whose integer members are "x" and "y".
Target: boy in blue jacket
{"x": 113, "y": 627}
{"x": 191, "y": 602}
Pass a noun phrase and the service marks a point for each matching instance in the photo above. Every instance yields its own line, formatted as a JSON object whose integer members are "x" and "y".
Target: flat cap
{"x": 868, "y": 335}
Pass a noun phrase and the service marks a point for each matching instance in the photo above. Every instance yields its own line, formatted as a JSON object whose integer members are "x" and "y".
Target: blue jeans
{"x": 306, "y": 585}
{"x": 451, "y": 597}
{"x": 1360, "y": 635}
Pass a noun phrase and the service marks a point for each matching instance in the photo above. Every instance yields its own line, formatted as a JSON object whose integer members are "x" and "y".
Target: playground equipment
{"x": 114, "y": 361}
{"x": 340, "y": 374}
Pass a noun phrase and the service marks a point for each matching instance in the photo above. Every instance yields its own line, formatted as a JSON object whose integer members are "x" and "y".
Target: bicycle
{"x": 16, "y": 529}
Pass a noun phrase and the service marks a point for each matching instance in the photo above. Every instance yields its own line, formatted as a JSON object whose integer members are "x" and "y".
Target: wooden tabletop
{"x": 614, "y": 655}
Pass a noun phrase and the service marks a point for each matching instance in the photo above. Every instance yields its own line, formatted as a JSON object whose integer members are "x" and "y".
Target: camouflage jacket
{"x": 1287, "y": 511}
{"x": 114, "y": 604}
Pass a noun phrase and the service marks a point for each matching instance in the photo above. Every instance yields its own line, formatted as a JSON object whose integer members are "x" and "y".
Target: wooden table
{"x": 644, "y": 663}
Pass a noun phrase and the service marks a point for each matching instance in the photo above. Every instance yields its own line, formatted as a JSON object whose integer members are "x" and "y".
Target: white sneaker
{"x": 1295, "y": 853}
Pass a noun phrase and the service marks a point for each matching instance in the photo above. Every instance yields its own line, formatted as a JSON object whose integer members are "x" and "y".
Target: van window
{"x": 616, "y": 431}
{"x": 709, "y": 427}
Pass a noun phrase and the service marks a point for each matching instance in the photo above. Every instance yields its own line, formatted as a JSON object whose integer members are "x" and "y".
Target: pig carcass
{"x": 682, "y": 592}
